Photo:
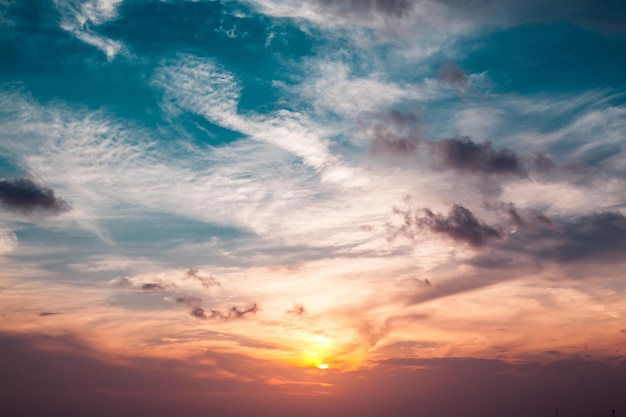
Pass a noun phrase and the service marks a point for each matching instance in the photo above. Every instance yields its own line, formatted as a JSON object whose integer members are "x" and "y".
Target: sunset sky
{"x": 320, "y": 208}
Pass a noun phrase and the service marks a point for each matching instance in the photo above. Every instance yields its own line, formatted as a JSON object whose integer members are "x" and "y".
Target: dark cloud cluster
{"x": 233, "y": 313}
{"x": 597, "y": 237}
{"x": 459, "y": 224}
{"x": 397, "y": 134}
{"x": 22, "y": 195}
{"x": 206, "y": 281}
{"x": 465, "y": 155}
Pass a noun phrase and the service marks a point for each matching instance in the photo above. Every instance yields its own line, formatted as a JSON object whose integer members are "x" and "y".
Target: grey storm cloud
{"x": 206, "y": 281}
{"x": 599, "y": 236}
{"x": 397, "y": 134}
{"x": 463, "y": 154}
{"x": 25, "y": 196}
{"x": 459, "y": 224}
{"x": 233, "y": 313}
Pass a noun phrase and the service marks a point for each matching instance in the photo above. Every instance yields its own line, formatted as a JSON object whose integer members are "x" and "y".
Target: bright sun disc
{"x": 323, "y": 366}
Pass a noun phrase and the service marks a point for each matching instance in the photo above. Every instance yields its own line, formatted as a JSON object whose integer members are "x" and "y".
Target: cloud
{"x": 47, "y": 313}
{"x": 80, "y": 17}
{"x": 151, "y": 286}
{"x": 395, "y": 8}
{"x": 460, "y": 224}
{"x": 395, "y": 134}
{"x": 598, "y": 237}
{"x": 207, "y": 282}
{"x": 188, "y": 300}
{"x": 22, "y": 195}
{"x": 233, "y": 313}
{"x": 464, "y": 155}
{"x": 451, "y": 73}
{"x": 198, "y": 85}
{"x": 297, "y": 310}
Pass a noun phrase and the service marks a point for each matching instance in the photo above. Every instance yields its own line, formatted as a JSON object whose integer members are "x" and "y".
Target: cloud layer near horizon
{"x": 212, "y": 206}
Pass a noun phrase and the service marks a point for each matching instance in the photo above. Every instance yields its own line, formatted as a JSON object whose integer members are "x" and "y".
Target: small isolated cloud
{"x": 48, "y": 313}
{"x": 463, "y": 154}
{"x": 198, "y": 312}
{"x": 451, "y": 73}
{"x": 206, "y": 281}
{"x": 233, "y": 313}
{"x": 297, "y": 310}
{"x": 460, "y": 224}
{"x": 188, "y": 300}
{"x": 24, "y": 196}
{"x": 152, "y": 286}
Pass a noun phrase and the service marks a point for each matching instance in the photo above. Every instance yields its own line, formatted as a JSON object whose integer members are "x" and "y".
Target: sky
{"x": 281, "y": 208}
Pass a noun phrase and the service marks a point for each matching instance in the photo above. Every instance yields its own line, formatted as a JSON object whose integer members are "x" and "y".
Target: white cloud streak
{"x": 80, "y": 17}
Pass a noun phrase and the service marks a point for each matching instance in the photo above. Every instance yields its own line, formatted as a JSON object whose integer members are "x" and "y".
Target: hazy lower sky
{"x": 281, "y": 208}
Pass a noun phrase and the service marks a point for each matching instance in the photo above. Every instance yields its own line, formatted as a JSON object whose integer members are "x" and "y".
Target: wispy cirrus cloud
{"x": 81, "y": 17}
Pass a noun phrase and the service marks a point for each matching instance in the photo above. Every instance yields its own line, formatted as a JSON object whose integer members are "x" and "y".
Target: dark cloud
{"x": 297, "y": 310}
{"x": 206, "y": 281}
{"x": 233, "y": 313}
{"x": 463, "y": 154}
{"x": 451, "y": 73}
{"x": 460, "y": 224}
{"x": 60, "y": 373}
{"x": 188, "y": 300}
{"x": 151, "y": 286}
{"x": 48, "y": 313}
{"x": 599, "y": 237}
{"x": 604, "y": 15}
{"x": 198, "y": 312}
{"x": 63, "y": 376}
{"x": 22, "y": 195}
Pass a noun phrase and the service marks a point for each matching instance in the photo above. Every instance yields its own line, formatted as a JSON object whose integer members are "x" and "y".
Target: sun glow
{"x": 317, "y": 352}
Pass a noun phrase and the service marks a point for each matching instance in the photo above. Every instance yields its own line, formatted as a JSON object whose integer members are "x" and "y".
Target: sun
{"x": 317, "y": 352}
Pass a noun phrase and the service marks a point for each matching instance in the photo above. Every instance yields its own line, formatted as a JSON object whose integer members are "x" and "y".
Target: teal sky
{"x": 267, "y": 207}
